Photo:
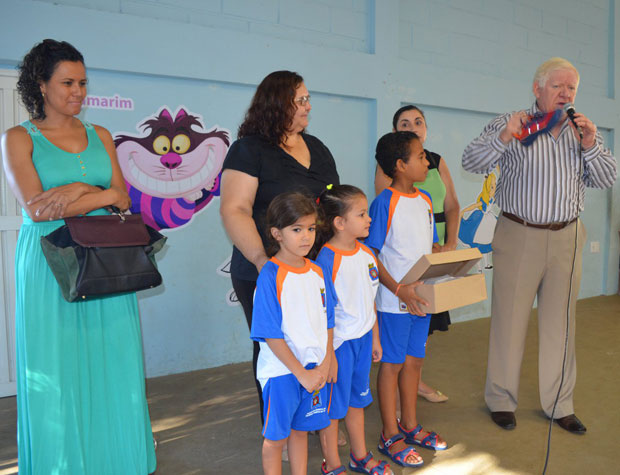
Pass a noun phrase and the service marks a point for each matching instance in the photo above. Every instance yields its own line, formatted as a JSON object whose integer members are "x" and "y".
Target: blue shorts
{"x": 352, "y": 389}
{"x": 402, "y": 334}
{"x": 289, "y": 406}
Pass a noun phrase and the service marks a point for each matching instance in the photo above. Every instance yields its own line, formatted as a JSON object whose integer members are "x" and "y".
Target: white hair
{"x": 554, "y": 64}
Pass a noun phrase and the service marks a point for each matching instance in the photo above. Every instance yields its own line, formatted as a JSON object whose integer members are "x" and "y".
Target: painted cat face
{"x": 174, "y": 160}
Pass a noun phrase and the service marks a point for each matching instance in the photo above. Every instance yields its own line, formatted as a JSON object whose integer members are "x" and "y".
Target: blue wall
{"x": 463, "y": 61}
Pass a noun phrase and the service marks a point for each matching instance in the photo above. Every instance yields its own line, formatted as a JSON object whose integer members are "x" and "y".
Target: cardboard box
{"x": 447, "y": 284}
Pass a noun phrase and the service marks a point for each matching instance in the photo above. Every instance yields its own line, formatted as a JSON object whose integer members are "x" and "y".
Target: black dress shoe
{"x": 504, "y": 419}
{"x": 571, "y": 424}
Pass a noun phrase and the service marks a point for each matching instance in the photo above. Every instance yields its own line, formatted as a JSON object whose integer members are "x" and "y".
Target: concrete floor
{"x": 207, "y": 421}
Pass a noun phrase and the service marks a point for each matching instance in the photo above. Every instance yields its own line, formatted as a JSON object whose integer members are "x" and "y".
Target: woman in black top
{"x": 273, "y": 154}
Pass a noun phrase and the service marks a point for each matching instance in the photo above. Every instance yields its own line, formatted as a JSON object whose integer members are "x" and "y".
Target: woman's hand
{"x": 121, "y": 198}
{"x": 67, "y": 200}
{"x": 451, "y": 208}
{"x": 53, "y": 202}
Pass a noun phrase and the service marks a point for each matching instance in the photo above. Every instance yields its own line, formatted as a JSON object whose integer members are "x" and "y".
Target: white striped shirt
{"x": 540, "y": 183}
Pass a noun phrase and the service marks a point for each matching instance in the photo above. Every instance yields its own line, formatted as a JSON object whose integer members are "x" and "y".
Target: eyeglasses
{"x": 303, "y": 100}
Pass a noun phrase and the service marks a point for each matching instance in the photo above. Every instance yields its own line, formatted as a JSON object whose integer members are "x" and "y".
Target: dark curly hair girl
{"x": 272, "y": 108}
{"x": 37, "y": 67}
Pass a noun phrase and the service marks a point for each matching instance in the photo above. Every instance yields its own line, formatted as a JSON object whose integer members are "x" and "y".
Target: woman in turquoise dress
{"x": 81, "y": 402}
{"x": 446, "y": 206}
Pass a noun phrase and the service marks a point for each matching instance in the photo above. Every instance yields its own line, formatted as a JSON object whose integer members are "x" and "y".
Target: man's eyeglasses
{"x": 303, "y": 100}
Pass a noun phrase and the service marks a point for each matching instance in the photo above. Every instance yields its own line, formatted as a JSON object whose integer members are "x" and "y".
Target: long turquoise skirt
{"x": 81, "y": 402}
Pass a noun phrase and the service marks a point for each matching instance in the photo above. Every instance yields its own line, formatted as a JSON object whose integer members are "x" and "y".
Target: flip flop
{"x": 400, "y": 456}
{"x": 431, "y": 441}
{"x": 434, "y": 396}
{"x": 360, "y": 465}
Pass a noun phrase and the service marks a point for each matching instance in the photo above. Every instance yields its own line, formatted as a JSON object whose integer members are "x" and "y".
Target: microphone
{"x": 569, "y": 108}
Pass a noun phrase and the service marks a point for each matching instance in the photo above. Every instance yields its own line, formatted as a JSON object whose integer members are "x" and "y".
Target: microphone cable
{"x": 570, "y": 294}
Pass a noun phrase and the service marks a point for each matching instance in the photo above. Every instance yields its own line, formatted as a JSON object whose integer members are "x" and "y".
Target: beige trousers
{"x": 530, "y": 262}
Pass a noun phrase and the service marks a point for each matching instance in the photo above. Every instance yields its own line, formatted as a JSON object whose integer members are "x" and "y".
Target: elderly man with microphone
{"x": 547, "y": 155}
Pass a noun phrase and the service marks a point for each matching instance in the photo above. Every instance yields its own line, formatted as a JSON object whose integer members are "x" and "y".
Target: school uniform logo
{"x": 316, "y": 399}
{"x": 323, "y": 297}
{"x": 316, "y": 404}
{"x": 373, "y": 272}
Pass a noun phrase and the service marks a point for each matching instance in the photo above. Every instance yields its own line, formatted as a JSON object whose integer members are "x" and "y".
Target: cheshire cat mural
{"x": 172, "y": 172}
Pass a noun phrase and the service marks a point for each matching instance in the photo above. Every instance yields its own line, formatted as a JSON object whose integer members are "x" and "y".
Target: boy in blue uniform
{"x": 402, "y": 231}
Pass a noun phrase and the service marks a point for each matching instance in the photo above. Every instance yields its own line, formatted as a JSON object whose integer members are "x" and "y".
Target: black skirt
{"x": 440, "y": 322}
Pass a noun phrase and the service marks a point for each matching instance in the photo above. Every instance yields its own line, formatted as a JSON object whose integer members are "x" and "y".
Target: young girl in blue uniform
{"x": 353, "y": 269}
{"x": 402, "y": 231}
{"x": 292, "y": 320}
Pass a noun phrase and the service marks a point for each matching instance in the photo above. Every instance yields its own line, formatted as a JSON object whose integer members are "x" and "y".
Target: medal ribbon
{"x": 537, "y": 124}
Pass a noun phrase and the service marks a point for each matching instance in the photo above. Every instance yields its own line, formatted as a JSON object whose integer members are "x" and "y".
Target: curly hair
{"x": 334, "y": 201}
{"x": 392, "y": 147}
{"x": 37, "y": 67}
{"x": 285, "y": 210}
{"x": 272, "y": 108}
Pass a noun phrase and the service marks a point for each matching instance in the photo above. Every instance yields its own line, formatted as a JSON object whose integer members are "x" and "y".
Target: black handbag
{"x": 96, "y": 256}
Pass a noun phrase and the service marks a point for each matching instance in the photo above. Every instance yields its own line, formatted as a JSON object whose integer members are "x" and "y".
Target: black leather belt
{"x": 550, "y": 226}
{"x": 440, "y": 217}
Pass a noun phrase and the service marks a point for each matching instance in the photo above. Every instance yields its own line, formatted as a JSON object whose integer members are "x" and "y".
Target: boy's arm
{"x": 405, "y": 292}
{"x": 311, "y": 379}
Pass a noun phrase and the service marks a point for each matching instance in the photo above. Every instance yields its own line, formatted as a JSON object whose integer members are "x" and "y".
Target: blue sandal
{"x": 360, "y": 465}
{"x": 431, "y": 441}
{"x": 335, "y": 471}
{"x": 400, "y": 456}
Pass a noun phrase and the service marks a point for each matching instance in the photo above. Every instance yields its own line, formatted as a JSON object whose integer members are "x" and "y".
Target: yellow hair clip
{"x": 330, "y": 186}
